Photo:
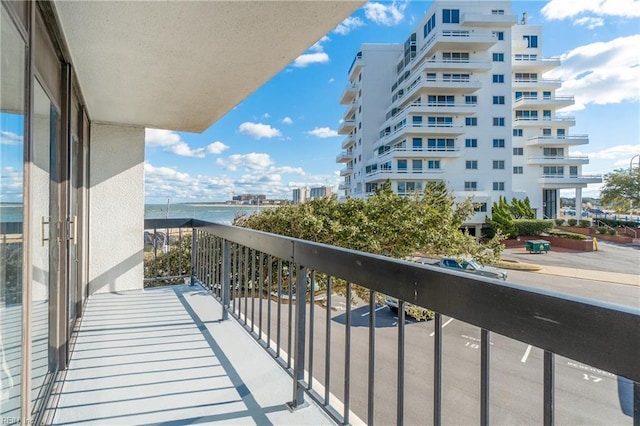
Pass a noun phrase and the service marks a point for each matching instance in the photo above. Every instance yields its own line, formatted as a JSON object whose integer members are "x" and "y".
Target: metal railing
{"x": 261, "y": 278}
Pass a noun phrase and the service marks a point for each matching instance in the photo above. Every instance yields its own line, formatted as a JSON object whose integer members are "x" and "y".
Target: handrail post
{"x": 193, "y": 257}
{"x": 301, "y": 310}
{"x": 226, "y": 278}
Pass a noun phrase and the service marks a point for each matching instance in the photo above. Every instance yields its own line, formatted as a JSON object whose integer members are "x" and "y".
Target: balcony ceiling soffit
{"x": 183, "y": 65}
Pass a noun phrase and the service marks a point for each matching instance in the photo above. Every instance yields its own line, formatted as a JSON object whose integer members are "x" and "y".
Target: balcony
{"x": 349, "y": 94}
{"x": 344, "y": 186}
{"x": 447, "y": 40}
{"x": 544, "y": 122}
{"x": 455, "y": 65}
{"x": 488, "y": 20}
{"x": 555, "y": 102}
{"x": 346, "y": 127}
{"x": 423, "y": 86}
{"x": 350, "y": 140}
{"x": 570, "y": 160}
{"x": 344, "y": 157}
{"x": 558, "y": 141}
{"x": 350, "y": 111}
{"x": 568, "y": 181}
{"x": 356, "y": 66}
{"x": 184, "y": 353}
{"x": 536, "y": 84}
{"x": 346, "y": 171}
{"x": 382, "y": 175}
{"x": 533, "y": 63}
{"x": 435, "y": 152}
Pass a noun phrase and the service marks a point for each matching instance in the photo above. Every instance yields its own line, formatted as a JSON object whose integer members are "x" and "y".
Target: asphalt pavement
{"x": 612, "y": 263}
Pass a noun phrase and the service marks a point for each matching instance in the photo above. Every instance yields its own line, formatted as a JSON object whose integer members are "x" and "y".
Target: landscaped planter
{"x": 569, "y": 243}
{"x": 594, "y": 233}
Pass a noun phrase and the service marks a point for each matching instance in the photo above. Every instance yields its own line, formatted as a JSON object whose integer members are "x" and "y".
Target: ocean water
{"x": 209, "y": 212}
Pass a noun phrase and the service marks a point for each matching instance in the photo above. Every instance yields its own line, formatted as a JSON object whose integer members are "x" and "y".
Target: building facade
{"x": 300, "y": 195}
{"x": 464, "y": 100}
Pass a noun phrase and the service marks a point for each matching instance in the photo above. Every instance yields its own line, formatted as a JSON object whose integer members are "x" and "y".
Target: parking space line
{"x": 443, "y": 326}
{"x": 526, "y": 354}
{"x": 368, "y": 312}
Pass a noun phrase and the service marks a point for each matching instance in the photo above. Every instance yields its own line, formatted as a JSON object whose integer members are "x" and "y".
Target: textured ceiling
{"x": 181, "y": 65}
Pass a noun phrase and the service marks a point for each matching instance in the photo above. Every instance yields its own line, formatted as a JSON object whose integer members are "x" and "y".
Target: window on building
{"x": 546, "y": 95}
{"x": 455, "y": 56}
{"x": 417, "y": 120}
{"x": 431, "y": 76}
{"x": 560, "y": 133}
{"x": 553, "y": 171}
{"x": 517, "y": 132}
{"x": 498, "y": 78}
{"x": 498, "y": 186}
{"x": 402, "y": 165}
{"x": 433, "y": 164}
{"x": 416, "y": 144}
{"x": 471, "y": 100}
{"x": 499, "y": 35}
{"x": 498, "y": 57}
{"x": 518, "y": 151}
{"x": 480, "y": 207}
{"x": 532, "y": 41}
{"x": 573, "y": 171}
{"x": 470, "y": 185}
{"x": 553, "y": 152}
{"x": 517, "y": 170}
{"x": 471, "y": 121}
{"x": 440, "y": 144}
{"x": 416, "y": 165}
{"x": 440, "y": 121}
{"x": 430, "y": 25}
{"x": 498, "y": 164}
{"x": 440, "y": 100}
{"x": 498, "y": 100}
{"x": 450, "y": 16}
{"x": 471, "y": 143}
{"x": 471, "y": 164}
{"x": 498, "y": 143}
{"x": 498, "y": 121}
{"x": 497, "y": 11}
{"x": 546, "y": 114}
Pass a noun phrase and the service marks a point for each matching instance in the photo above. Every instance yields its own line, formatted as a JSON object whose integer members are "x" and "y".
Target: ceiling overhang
{"x": 182, "y": 65}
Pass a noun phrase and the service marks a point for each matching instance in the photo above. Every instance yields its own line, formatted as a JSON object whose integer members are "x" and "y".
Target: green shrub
{"x": 612, "y": 232}
{"x": 584, "y": 223}
{"x": 571, "y": 235}
{"x": 559, "y": 222}
{"x": 532, "y": 226}
{"x": 601, "y": 230}
{"x": 616, "y": 223}
{"x": 572, "y": 222}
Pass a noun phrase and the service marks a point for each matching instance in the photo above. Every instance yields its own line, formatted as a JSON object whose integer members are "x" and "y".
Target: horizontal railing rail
{"x": 239, "y": 264}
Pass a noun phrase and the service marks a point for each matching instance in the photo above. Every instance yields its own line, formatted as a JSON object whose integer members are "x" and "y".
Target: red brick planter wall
{"x": 593, "y": 232}
{"x": 569, "y": 243}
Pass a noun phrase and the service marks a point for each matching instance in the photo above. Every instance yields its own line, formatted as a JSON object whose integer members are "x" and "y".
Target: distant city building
{"x": 300, "y": 195}
{"x": 464, "y": 100}
{"x": 320, "y": 191}
{"x": 250, "y": 198}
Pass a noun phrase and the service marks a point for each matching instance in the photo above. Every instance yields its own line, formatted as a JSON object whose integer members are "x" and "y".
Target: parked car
{"x": 472, "y": 267}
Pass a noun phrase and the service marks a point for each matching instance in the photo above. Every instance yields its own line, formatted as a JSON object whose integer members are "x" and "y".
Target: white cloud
{"x": 331, "y": 80}
{"x": 11, "y": 182}
{"x": 287, "y": 120}
{"x": 259, "y": 130}
{"x": 171, "y": 142}
{"x": 323, "y": 132}
{"x": 600, "y": 73}
{"x": 169, "y": 183}
{"x": 347, "y": 25}
{"x": 266, "y": 115}
{"x": 10, "y": 138}
{"x": 318, "y": 45}
{"x": 589, "y": 22}
{"x": 251, "y": 161}
{"x": 564, "y": 9}
{"x": 618, "y": 152}
{"x": 388, "y": 15}
{"x": 310, "y": 58}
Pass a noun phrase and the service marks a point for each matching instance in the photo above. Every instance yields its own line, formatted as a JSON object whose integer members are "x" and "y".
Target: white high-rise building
{"x": 464, "y": 100}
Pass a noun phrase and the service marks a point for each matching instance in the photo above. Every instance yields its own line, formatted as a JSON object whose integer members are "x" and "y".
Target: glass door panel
{"x": 45, "y": 130}
{"x": 12, "y": 119}
{"x": 73, "y": 230}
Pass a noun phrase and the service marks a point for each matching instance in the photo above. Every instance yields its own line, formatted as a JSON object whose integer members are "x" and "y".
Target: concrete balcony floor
{"x": 162, "y": 356}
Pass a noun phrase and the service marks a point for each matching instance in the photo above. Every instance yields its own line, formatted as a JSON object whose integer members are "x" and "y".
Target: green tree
{"x": 171, "y": 260}
{"x": 621, "y": 190}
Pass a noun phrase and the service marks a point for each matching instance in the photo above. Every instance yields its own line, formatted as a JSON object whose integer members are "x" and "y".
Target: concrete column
{"x": 116, "y": 208}
{"x": 578, "y": 203}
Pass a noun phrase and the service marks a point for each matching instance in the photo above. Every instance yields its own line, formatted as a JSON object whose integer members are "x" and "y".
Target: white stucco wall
{"x": 116, "y": 208}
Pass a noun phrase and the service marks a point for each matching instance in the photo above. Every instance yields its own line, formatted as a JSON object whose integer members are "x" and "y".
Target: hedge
{"x": 564, "y": 234}
{"x": 532, "y": 226}
{"x": 584, "y": 223}
{"x": 559, "y": 221}
{"x": 616, "y": 223}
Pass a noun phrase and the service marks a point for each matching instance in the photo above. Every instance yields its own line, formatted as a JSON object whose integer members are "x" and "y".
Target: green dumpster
{"x": 538, "y": 246}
